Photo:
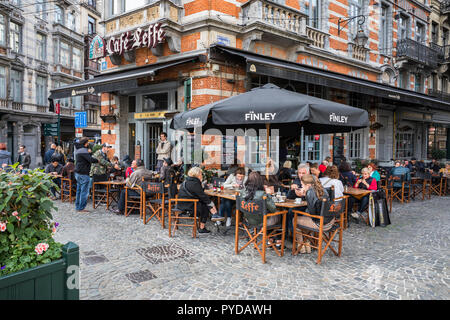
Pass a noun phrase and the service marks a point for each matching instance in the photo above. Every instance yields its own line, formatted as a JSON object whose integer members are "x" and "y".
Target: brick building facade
{"x": 372, "y": 54}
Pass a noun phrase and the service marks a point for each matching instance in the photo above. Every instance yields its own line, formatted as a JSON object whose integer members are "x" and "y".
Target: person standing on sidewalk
{"x": 48, "y": 155}
{"x": 163, "y": 150}
{"x": 24, "y": 158}
{"x": 83, "y": 163}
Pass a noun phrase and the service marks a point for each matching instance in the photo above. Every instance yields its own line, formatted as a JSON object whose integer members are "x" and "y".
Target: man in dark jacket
{"x": 54, "y": 168}
{"x": 82, "y": 169}
{"x": 24, "y": 158}
{"x": 135, "y": 178}
{"x": 48, "y": 155}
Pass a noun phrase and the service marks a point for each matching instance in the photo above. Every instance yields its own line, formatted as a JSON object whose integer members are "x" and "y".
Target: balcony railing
{"x": 318, "y": 37}
{"x": 445, "y": 6}
{"x": 274, "y": 15}
{"x": 444, "y": 96}
{"x": 443, "y": 52}
{"x": 417, "y": 52}
{"x": 22, "y": 107}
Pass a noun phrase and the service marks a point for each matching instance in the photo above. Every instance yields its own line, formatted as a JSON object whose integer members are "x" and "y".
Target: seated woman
{"x": 235, "y": 180}
{"x": 165, "y": 168}
{"x": 254, "y": 190}
{"x": 114, "y": 172}
{"x": 331, "y": 178}
{"x": 373, "y": 171}
{"x": 286, "y": 172}
{"x": 346, "y": 174}
{"x": 366, "y": 182}
{"x": 192, "y": 188}
{"x": 314, "y": 168}
{"x": 314, "y": 192}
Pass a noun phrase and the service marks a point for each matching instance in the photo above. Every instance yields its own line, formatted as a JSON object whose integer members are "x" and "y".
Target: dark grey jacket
{"x": 5, "y": 157}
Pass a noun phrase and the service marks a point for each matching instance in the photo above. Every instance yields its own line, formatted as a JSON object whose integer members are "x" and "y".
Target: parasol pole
{"x": 267, "y": 150}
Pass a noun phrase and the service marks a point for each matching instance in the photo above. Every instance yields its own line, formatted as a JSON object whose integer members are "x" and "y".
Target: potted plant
{"x": 32, "y": 264}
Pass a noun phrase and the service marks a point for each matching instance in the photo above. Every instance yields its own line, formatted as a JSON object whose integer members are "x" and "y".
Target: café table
{"x": 356, "y": 192}
{"x": 113, "y": 189}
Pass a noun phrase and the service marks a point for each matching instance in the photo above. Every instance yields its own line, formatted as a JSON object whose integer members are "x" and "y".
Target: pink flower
{"x": 41, "y": 248}
{"x": 2, "y": 227}
{"x": 54, "y": 230}
{"x": 15, "y": 213}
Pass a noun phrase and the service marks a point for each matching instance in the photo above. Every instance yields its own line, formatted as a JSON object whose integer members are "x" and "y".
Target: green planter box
{"x": 57, "y": 280}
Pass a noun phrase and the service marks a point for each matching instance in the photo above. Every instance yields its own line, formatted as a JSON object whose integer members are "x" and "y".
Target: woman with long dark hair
{"x": 255, "y": 190}
{"x": 314, "y": 194}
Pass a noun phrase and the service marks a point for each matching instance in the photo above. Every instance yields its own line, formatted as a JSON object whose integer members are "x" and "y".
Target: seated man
{"x": 398, "y": 171}
{"x": 234, "y": 181}
{"x": 134, "y": 179}
{"x": 54, "y": 168}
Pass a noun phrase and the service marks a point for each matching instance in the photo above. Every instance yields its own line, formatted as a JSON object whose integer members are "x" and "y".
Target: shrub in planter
{"x": 26, "y": 226}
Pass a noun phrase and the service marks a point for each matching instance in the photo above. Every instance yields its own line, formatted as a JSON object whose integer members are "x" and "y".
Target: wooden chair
{"x": 397, "y": 192}
{"x": 344, "y": 203}
{"x": 317, "y": 236}
{"x": 254, "y": 223}
{"x": 133, "y": 202}
{"x": 155, "y": 200}
{"x": 436, "y": 185}
{"x": 99, "y": 194}
{"x": 180, "y": 219}
{"x": 68, "y": 190}
{"x": 416, "y": 187}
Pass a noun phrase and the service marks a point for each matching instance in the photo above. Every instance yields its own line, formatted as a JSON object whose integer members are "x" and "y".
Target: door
{"x": 153, "y": 132}
{"x": 383, "y": 137}
{"x": 338, "y": 150}
{"x": 30, "y": 140}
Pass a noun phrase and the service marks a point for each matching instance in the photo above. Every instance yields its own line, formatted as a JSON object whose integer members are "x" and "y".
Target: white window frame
{"x": 314, "y": 15}
{"x": 17, "y": 86}
{"x": 41, "y": 46}
{"x": 355, "y": 144}
{"x": 77, "y": 58}
{"x": 2, "y": 30}
{"x": 15, "y": 36}
{"x": 2, "y": 82}
{"x": 67, "y": 52}
{"x": 41, "y": 91}
{"x": 404, "y": 152}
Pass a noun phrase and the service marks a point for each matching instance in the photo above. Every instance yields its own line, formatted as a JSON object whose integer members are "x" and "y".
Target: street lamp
{"x": 361, "y": 38}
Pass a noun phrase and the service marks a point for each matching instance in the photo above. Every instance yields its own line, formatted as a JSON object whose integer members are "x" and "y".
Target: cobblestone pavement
{"x": 121, "y": 258}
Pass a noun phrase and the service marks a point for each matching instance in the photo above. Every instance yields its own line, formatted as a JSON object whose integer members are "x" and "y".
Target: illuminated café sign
{"x": 148, "y": 37}
{"x": 97, "y": 48}
{"x": 147, "y": 115}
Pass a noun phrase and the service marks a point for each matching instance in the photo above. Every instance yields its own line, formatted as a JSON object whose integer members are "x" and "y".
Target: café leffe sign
{"x": 148, "y": 37}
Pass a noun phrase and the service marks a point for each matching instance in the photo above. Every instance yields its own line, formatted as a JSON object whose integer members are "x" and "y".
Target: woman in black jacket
{"x": 192, "y": 188}
{"x": 59, "y": 156}
{"x": 314, "y": 193}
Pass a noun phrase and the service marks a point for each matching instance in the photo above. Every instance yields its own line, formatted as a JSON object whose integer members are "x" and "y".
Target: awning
{"x": 259, "y": 64}
{"x": 114, "y": 81}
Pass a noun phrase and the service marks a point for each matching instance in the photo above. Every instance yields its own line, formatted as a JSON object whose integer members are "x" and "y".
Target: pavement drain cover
{"x": 165, "y": 253}
{"x": 140, "y": 276}
{"x": 90, "y": 253}
{"x": 94, "y": 259}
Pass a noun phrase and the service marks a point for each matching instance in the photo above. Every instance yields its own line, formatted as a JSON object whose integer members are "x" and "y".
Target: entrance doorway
{"x": 153, "y": 132}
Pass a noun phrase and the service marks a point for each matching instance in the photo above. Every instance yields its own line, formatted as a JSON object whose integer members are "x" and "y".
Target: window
{"x": 92, "y": 3}
{"x": 76, "y": 59}
{"x": 418, "y": 80}
{"x": 41, "y": 91}
{"x": 355, "y": 10}
{"x": 404, "y": 145}
{"x": 384, "y": 30}
{"x": 437, "y": 139}
{"x": 66, "y": 101}
{"x": 114, "y": 7}
{"x": 403, "y": 80}
{"x": 41, "y": 44}
{"x": 2, "y": 82}
{"x": 2, "y": 30}
{"x": 64, "y": 54}
{"x": 76, "y": 102}
{"x": 15, "y": 3}
{"x": 444, "y": 84}
{"x": 434, "y": 32}
{"x": 133, "y": 4}
{"x": 403, "y": 27}
{"x": 311, "y": 148}
{"x": 15, "y": 37}
{"x": 40, "y": 9}
{"x": 131, "y": 104}
{"x": 91, "y": 25}
{"x": 71, "y": 21}
{"x": 420, "y": 32}
{"x": 354, "y": 143}
{"x": 16, "y": 85}
{"x": 59, "y": 15}
{"x": 92, "y": 116}
{"x": 314, "y": 13}
{"x": 444, "y": 36}
{"x": 155, "y": 102}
